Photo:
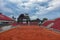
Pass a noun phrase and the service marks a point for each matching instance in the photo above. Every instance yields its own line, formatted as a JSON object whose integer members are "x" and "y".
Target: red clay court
{"x": 27, "y": 32}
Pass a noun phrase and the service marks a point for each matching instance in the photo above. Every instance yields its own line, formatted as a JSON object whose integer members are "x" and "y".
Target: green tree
{"x": 27, "y": 18}
{"x": 44, "y": 19}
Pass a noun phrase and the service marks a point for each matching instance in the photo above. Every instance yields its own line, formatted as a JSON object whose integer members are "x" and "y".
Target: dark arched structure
{"x": 23, "y": 18}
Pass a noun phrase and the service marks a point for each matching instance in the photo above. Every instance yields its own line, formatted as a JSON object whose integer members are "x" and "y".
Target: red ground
{"x": 29, "y": 33}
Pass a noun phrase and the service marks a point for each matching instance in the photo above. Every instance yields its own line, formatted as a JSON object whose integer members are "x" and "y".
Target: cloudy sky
{"x": 35, "y": 8}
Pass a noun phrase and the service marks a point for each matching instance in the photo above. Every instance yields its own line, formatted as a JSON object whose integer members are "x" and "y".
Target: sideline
{"x": 7, "y": 28}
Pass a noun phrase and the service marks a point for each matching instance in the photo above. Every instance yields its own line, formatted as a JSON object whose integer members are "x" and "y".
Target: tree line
{"x": 26, "y": 18}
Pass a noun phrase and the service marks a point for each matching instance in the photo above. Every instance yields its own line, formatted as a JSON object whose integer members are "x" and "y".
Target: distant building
{"x": 23, "y": 18}
{"x": 5, "y": 20}
{"x": 35, "y": 22}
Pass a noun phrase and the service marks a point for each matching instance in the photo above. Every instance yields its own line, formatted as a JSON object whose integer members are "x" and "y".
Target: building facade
{"x": 5, "y": 20}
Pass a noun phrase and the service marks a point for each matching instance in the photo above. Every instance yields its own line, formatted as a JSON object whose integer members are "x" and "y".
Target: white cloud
{"x": 42, "y": 0}
{"x": 33, "y": 17}
{"x": 3, "y": 8}
{"x": 27, "y": 4}
{"x": 2, "y": 3}
{"x": 54, "y": 4}
{"x": 7, "y": 10}
{"x": 30, "y": 4}
{"x": 15, "y": 1}
{"x": 38, "y": 0}
{"x": 42, "y": 10}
